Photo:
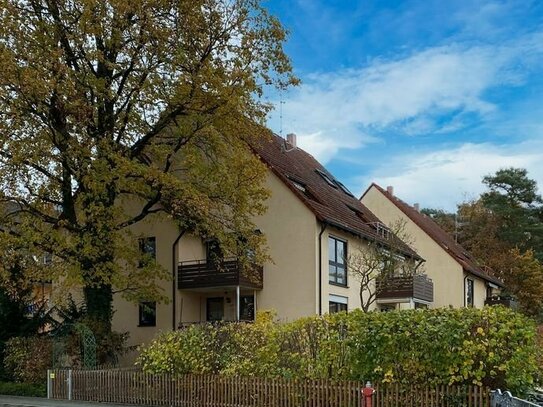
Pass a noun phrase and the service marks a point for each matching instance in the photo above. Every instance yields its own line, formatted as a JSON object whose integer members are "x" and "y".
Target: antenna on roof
{"x": 281, "y": 103}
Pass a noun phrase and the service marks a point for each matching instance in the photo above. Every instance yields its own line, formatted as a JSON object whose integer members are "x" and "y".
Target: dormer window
{"x": 381, "y": 229}
{"x": 327, "y": 178}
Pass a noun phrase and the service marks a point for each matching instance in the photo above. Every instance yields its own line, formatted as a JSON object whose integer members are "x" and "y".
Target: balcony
{"x": 505, "y": 300}
{"x": 228, "y": 273}
{"x": 417, "y": 286}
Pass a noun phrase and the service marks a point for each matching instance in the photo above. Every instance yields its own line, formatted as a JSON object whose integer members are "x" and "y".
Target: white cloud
{"x": 413, "y": 95}
{"x": 442, "y": 178}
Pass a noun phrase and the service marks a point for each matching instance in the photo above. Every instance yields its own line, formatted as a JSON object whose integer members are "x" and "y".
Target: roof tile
{"x": 445, "y": 240}
{"x": 326, "y": 197}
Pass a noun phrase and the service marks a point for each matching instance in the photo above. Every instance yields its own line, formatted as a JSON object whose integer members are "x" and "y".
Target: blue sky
{"x": 425, "y": 95}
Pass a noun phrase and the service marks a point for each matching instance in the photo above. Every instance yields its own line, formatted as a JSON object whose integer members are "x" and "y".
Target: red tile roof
{"x": 317, "y": 188}
{"x": 442, "y": 238}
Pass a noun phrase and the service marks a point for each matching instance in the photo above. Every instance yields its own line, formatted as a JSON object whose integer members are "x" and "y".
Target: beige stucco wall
{"x": 446, "y": 273}
{"x": 479, "y": 291}
{"x": 289, "y": 280}
{"x": 126, "y": 316}
{"x": 291, "y": 231}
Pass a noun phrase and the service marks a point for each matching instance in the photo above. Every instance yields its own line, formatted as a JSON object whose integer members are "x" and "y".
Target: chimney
{"x": 417, "y": 207}
{"x": 291, "y": 139}
{"x": 390, "y": 190}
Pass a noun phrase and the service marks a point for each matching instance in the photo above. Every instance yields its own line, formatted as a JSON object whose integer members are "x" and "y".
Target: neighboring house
{"x": 458, "y": 279}
{"x": 312, "y": 223}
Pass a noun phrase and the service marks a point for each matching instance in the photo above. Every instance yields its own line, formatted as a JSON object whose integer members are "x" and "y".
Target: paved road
{"x": 13, "y": 401}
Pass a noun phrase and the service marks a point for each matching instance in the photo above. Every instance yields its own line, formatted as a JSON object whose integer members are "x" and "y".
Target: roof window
{"x": 300, "y": 186}
{"x": 344, "y": 188}
{"x": 327, "y": 178}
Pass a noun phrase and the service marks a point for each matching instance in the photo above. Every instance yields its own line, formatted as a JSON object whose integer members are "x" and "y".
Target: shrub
{"x": 27, "y": 359}
{"x": 493, "y": 346}
{"x": 23, "y": 389}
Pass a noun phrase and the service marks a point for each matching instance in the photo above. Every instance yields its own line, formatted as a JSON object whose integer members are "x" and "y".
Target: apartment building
{"x": 312, "y": 224}
{"x": 458, "y": 280}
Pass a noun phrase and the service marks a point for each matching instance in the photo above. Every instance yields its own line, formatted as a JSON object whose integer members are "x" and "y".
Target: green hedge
{"x": 23, "y": 389}
{"x": 493, "y": 346}
{"x": 26, "y": 360}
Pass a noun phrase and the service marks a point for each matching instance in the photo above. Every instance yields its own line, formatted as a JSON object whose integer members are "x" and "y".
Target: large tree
{"x": 512, "y": 197}
{"x": 109, "y": 104}
{"x": 503, "y": 230}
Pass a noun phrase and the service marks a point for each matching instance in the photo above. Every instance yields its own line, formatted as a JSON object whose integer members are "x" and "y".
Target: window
{"x": 327, "y": 178}
{"x": 381, "y": 229}
{"x": 247, "y": 308}
{"x": 214, "y": 309}
{"x": 489, "y": 291}
{"x": 337, "y": 303}
{"x": 302, "y": 187}
{"x": 387, "y": 307}
{"x": 148, "y": 250}
{"x": 469, "y": 292}
{"x": 337, "y": 254}
{"x": 344, "y": 188}
{"x": 419, "y": 305}
{"x": 299, "y": 185}
{"x": 147, "y": 314}
{"x": 48, "y": 259}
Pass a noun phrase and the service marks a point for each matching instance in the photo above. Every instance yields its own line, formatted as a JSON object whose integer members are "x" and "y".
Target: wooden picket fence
{"x": 391, "y": 395}
{"x": 138, "y": 388}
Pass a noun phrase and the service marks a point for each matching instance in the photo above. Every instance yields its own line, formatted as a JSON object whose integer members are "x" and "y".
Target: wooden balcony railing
{"x": 418, "y": 286}
{"x": 229, "y": 272}
{"x": 504, "y": 300}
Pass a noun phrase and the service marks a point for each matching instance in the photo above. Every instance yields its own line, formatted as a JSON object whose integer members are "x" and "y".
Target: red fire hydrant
{"x": 367, "y": 395}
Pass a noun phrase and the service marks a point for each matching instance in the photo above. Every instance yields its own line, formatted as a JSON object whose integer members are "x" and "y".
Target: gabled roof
{"x": 330, "y": 201}
{"x": 442, "y": 238}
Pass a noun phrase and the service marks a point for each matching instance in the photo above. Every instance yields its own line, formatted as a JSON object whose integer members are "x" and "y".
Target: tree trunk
{"x": 99, "y": 302}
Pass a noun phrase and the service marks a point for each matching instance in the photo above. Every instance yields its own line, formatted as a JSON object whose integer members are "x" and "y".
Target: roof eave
{"x": 367, "y": 236}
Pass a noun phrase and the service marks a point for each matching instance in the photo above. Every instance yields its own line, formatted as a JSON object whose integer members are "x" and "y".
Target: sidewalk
{"x": 14, "y": 401}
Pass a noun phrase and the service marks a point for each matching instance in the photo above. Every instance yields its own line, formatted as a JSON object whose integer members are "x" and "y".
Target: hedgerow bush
{"x": 493, "y": 346}
{"x": 27, "y": 359}
{"x": 23, "y": 389}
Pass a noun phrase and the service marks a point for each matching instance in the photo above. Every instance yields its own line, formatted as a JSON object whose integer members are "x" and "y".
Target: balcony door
{"x": 247, "y": 308}
{"x": 215, "y": 309}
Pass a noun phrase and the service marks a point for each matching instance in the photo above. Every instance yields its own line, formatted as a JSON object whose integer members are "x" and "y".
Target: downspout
{"x": 419, "y": 264}
{"x": 323, "y": 228}
{"x": 174, "y": 279}
{"x": 465, "y": 302}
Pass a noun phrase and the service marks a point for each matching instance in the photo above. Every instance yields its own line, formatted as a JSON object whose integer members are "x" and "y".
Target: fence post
{"x": 49, "y": 378}
{"x": 69, "y": 384}
{"x": 367, "y": 393}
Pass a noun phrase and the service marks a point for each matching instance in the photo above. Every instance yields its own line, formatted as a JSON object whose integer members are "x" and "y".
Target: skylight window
{"x": 327, "y": 178}
{"x": 299, "y": 186}
{"x": 344, "y": 188}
